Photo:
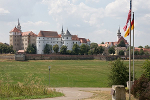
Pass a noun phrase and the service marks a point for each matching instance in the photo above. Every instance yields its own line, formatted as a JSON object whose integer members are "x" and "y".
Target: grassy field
{"x": 63, "y": 73}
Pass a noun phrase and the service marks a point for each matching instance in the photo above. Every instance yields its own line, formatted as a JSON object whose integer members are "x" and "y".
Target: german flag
{"x": 132, "y": 27}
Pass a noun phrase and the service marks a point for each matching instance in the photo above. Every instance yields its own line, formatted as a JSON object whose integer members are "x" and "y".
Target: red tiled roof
{"x": 103, "y": 45}
{"x": 28, "y": 33}
{"x": 144, "y": 49}
{"x": 75, "y": 37}
{"x": 51, "y": 34}
{"x": 88, "y": 40}
{"x": 121, "y": 38}
{"x": 83, "y": 40}
{"x": 21, "y": 51}
{"x": 15, "y": 30}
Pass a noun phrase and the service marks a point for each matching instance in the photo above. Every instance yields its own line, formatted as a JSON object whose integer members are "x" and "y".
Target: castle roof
{"x": 15, "y": 30}
{"x": 51, "y": 34}
{"x": 75, "y": 37}
{"x": 67, "y": 33}
{"x": 88, "y": 40}
{"x": 28, "y": 33}
{"x": 83, "y": 40}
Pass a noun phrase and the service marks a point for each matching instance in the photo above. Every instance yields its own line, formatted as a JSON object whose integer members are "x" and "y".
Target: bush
{"x": 141, "y": 88}
{"x": 119, "y": 74}
{"x": 146, "y": 67}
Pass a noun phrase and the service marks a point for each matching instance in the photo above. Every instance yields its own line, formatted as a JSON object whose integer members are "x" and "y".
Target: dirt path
{"x": 76, "y": 93}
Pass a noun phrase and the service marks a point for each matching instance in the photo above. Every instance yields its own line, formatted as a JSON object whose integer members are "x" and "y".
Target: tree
{"x": 121, "y": 44}
{"x": 111, "y": 50}
{"x": 121, "y": 52}
{"x": 76, "y": 49}
{"x": 136, "y": 52}
{"x": 47, "y": 49}
{"x": 140, "y": 47}
{"x": 90, "y": 52}
{"x": 146, "y": 53}
{"x": 93, "y": 45}
{"x": 63, "y": 49}
{"x": 83, "y": 49}
{"x": 69, "y": 52}
{"x": 141, "y": 52}
{"x": 147, "y": 46}
{"x": 31, "y": 49}
{"x": 119, "y": 74}
{"x": 146, "y": 67}
{"x": 100, "y": 50}
{"x": 102, "y": 43}
{"x": 87, "y": 48}
{"x": 56, "y": 48}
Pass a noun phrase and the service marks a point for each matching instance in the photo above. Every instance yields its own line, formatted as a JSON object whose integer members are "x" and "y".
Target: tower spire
{"x": 18, "y": 26}
{"x": 118, "y": 34}
{"x": 62, "y": 32}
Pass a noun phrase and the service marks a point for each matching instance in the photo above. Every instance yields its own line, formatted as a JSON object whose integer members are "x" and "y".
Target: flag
{"x": 128, "y": 31}
{"x": 128, "y": 19}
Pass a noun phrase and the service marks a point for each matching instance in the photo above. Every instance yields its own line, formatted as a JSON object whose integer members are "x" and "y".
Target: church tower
{"x": 18, "y": 26}
{"x": 118, "y": 34}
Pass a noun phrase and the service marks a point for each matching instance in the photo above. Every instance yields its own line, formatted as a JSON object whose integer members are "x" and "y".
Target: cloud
{"x": 3, "y": 11}
{"x": 66, "y": 11}
{"x": 117, "y": 8}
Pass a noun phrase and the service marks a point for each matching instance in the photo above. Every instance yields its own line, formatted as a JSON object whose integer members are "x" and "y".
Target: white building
{"x": 52, "y": 38}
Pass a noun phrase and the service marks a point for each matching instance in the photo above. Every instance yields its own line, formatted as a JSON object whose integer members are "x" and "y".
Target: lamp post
{"x": 49, "y": 67}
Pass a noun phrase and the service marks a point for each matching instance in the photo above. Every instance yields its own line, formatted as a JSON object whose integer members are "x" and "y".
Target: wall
{"x": 57, "y": 57}
{"x": 7, "y": 56}
{"x": 70, "y": 57}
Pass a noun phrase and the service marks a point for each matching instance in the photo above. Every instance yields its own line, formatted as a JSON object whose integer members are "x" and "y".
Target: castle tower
{"x": 62, "y": 32}
{"x": 67, "y": 40}
{"x": 19, "y": 26}
{"x": 118, "y": 34}
{"x": 15, "y": 38}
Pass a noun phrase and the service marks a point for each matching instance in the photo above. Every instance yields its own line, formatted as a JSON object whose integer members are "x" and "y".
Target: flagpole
{"x": 130, "y": 54}
{"x": 133, "y": 50}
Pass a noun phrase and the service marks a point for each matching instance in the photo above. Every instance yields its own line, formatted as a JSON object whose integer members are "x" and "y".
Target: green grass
{"x": 63, "y": 73}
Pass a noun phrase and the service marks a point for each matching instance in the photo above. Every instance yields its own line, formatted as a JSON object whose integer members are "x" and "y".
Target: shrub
{"x": 119, "y": 74}
{"x": 146, "y": 67}
{"x": 141, "y": 88}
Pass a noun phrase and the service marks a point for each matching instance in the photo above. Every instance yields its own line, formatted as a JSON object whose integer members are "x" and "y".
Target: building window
{"x": 76, "y": 42}
{"x": 67, "y": 37}
{"x": 43, "y": 38}
{"x": 57, "y": 42}
{"x": 39, "y": 38}
{"x": 73, "y": 42}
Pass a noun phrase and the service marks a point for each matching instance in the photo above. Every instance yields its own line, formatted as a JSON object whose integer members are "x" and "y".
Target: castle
{"x": 20, "y": 40}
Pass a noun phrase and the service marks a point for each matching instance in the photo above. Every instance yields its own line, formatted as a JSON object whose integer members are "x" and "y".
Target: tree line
{"x": 5, "y": 48}
{"x": 76, "y": 49}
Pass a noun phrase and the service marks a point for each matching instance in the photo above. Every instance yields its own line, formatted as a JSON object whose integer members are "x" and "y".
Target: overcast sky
{"x": 97, "y": 20}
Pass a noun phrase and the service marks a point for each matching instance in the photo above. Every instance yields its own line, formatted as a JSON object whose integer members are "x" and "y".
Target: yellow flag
{"x": 128, "y": 31}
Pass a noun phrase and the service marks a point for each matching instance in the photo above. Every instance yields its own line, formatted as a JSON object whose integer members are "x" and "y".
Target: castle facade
{"x": 20, "y": 40}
